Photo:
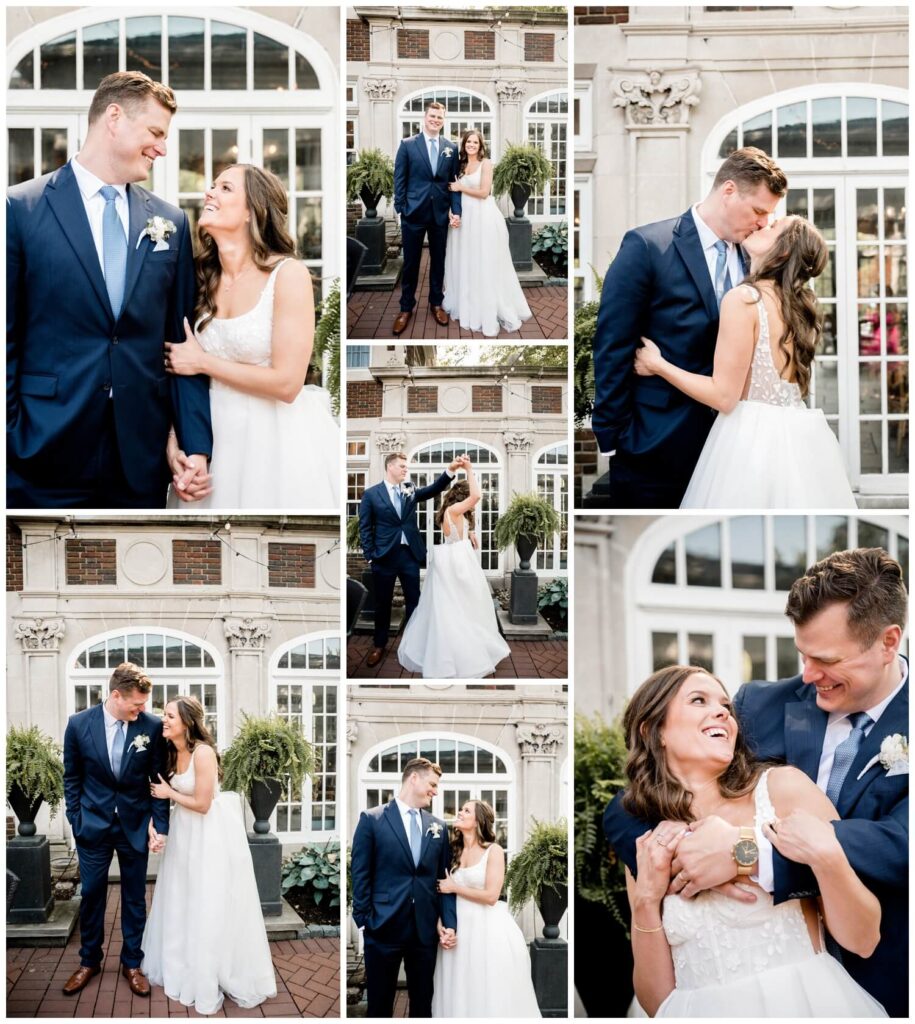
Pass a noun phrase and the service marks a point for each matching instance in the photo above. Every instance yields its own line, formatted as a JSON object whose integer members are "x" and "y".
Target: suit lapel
{"x": 65, "y": 200}
{"x": 426, "y": 819}
{"x": 424, "y": 150}
{"x": 140, "y": 212}
{"x": 97, "y": 732}
{"x": 133, "y": 730}
{"x": 394, "y": 820}
{"x": 687, "y": 244}
{"x": 894, "y": 720}
{"x": 805, "y": 728}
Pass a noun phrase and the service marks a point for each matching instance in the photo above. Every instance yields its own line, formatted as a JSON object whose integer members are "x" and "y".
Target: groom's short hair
{"x": 434, "y": 105}
{"x": 393, "y": 457}
{"x": 420, "y": 765}
{"x": 129, "y": 89}
{"x": 868, "y": 580}
{"x": 128, "y": 677}
{"x": 749, "y": 168}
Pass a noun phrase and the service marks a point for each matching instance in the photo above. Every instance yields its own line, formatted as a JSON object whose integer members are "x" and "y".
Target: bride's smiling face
{"x": 172, "y": 726}
{"x": 225, "y": 203}
{"x": 699, "y": 726}
{"x": 466, "y": 818}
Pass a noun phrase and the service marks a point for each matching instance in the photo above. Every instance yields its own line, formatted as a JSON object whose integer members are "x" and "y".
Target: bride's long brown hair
{"x": 459, "y": 491}
{"x": 267, "y": 230}
{"x": 486, "y": 833}
{"x": 191, "y": 713}
{"x": 463, "y": 157}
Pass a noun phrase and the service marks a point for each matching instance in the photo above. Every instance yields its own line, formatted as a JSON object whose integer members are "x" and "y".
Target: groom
{"x": 666, "y": 283}
{"x": 100, "y": 274}
{"x": 391, "y": 541}
{"x": 111, "y": 754}
{"x": 424, "y": 166}
{"x": 842, "y": 722}
{"x": 399, "y": 853}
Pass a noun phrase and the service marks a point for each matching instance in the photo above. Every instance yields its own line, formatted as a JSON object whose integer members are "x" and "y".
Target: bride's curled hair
{"x": 486, "y": 833}
{"x": 654, "y": 793}
{"x": 191, "y": 713}
{"x": 267, "y": 229}
{"x": 459, "y": 491}
{"x": 798, "y": 254}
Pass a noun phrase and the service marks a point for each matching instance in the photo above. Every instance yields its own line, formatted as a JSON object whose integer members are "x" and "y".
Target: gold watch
{"x": 746, "y": 852}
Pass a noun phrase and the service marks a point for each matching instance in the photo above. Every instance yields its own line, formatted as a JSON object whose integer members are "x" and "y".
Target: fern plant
{"x": 523, "y": 165}
{"x": 327, "y": 341}
{"x": 585, "y": 327}
{"x": 353, "y": 540}
{"x": 267, "y": 748}
{"x": 372, "y": 171}
{"x": 34, "y": 764}
{"x": 527, "y": 515}
{"x": 542, "y": 862}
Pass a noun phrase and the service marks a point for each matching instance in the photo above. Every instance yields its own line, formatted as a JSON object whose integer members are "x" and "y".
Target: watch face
{"x": 746, "y": 852}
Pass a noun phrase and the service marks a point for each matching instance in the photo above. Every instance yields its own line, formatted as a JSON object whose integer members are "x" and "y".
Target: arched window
{"x": 304, "y": 678}
{"x": 250, "y": 89}
{"x": 551, "y": 482}
{"x": 471, "y": 770}
{"x": 463, "y": 110}
{"x": 546, "y": 120}
{"x": 429, "y": 461}
{"x": 178, "y": 664}
{"x": 844, "y": 148}
{"x": 713, "y": 593}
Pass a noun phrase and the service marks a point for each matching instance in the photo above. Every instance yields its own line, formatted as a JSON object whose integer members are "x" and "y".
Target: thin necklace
{"x": 229, "y": 285}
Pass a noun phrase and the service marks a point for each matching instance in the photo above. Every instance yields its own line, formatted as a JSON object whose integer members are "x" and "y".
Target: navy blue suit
{"x": 381, "y": 531}
{"x": 657, "y": 286}
{"x": 399, "y": 906}
{"x": 782, "y": 722}
{"x": 423, "y": 200}
{"x": 111, "y": 814}
{"x": 88, "y": 401}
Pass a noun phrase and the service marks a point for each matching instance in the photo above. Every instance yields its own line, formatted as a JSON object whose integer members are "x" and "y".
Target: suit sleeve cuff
{"x": 764, "y": 875}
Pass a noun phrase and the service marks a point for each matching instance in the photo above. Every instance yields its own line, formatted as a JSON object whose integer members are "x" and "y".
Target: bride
{"x": 454, "y": 633}
{"x": 490, "y": 944}
{"x": 766, "y": 449}
{"x": 482, "y": 290}
{"x": 275, "y": 441}
{"x": 713, "y": 956}
{"x": 205, "y": 933}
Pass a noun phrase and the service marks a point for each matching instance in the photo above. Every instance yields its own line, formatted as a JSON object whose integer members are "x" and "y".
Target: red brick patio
{"x": 307, "y": 980}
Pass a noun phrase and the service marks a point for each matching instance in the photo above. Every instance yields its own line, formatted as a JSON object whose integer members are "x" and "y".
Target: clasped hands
{"x": 156, "y": 841}
{"x": 454, "y": 220}
{"x": 447, "y": 937}
{"x": 461, "y": 462}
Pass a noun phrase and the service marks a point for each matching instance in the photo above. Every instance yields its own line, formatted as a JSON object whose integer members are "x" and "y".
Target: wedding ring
{"x": 661, "y": 841}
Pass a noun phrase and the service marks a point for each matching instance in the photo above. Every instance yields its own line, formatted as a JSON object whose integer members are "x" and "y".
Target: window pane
{"x": 308, "y": 231}
{"x": 144, "y": 46}
{"x": 21, "y": 142}
{"x": 192, "y": 658}
{"x": 827, "y": 127}
{"x": 305, "y": 77}
{"x": 701, "y": 651}
{"x": 824, "y": 211}
{"x": 758, "y": 132}
{"x": 894, "y": 214}
{"x": 332, "y": 649}
{"x": 871, "y": 447}
{"x": 754, "y": 658}
{"x": 447, "y": 757}
{"x": 191, "y": 162}
{"x": 97, "y": 655}
{"x": 58, "y": 63}
{"x": 831, "y": 535}
{"x": 786, "y": 658}
{"x": 747, "y": 553}
{"x": 790, "y": 545}
{"x": 53, "y": 149}
{"x": 23, "y": 77}
{"x": 276, "y": 153}
{"x": 703, "y": 557}
{"x": 117, "y": 651}
{"x": 729, "y": 144}
{"x": 792, "y": 130}
{"x": 872, "y": 536}
{"x": 902, "y": 556}
{"x": 185, "y": 53}
{"x": 100, "y": 52}
{"x": 407, "y": 753}
{"x": 389, "y": 761}
{"x": 271, "y": 63}
{"x": 898, "y": 446}
{"x": 229, "y": 47}
{"x": 307, "y": 159}
{"x": 465, "y": 758}
{"x": 173, "y": 648}
{"x": 225, "y": 149}
{"x": 155, "y": 651}
{"x": 663, "y": 650}
{"x": 484, "y": 761}
{"x": 862, "y": 126}
{"x": 665, "y": 569}
{"x": 135, "y": 652}
{"x": 895, "y": 129}
{"x": 298, "y": 658}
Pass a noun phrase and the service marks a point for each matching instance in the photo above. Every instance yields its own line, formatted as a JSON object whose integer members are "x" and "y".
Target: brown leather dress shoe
{"x": 136, "y": 979}
{"x": 80, "y": 979}
{"x": 441, "y": 317}
{"x": 376, "y": 656}
{"x": 401, "y": 321}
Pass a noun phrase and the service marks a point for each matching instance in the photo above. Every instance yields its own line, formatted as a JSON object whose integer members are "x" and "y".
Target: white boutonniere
{"x": 893, "y": 756}
{"x": 448, "y": 153}
{"x": 407, "y": 488}
{"x": 157, "y": 230}
{"x": 140, "y": 742}
{"x": 434, "y": 830}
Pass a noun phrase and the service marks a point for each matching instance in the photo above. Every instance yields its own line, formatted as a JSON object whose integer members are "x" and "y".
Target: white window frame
{"x": 583, "y": 95}
{"x": 490, "y": 116}
{"x": 557, "y": 471}
{"x": 583, "y": 185}
{"x": 549, "y": 119}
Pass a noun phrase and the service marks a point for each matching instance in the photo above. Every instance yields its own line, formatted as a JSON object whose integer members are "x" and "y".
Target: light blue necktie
{"x": 722, "y": 274}
{"x": 433, "y": 152}
{"x": 117, "y": 750}
{"x": 416, "y": 839}
{"x": 845, "y": 754}
{"x": 398, "y": 503}
{"x": 114, "y": 249}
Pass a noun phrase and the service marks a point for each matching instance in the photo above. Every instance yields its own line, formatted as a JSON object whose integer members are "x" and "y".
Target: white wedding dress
{"x": 754, "y": 959}
{"x": 482, "y": 291}
{"x": 454, "y": 632}
{"x": 488, "y": 973}
{"x": 771, "y": 451}
{"x": 205, "y": 933}
{"x": 266, "y": 453}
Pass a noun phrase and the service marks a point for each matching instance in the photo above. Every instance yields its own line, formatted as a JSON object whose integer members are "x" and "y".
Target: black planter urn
{"x": 552, "y": 905}
{"x": 526, "y": 546}
{"x": 263, "y": 797}
{"x": 25, "y": 809}
{"x": 519, "y": 197}
{"x": 370, "y": 201}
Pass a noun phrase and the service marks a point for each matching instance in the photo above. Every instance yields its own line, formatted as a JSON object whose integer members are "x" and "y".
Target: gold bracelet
{"x": 648, "y": 931}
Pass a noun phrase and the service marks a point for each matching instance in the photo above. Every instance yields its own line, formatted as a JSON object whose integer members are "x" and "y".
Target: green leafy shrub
{"x": 267, "y": 748}
{"x": 34, "y": 764}
{"x": 550, "y": 247}
{"x": 542, "y": 861}
{"x": 373, "y": 171}
{"x": 527, "y": 515}
{"x": 327, "y": 340}
{"x": 524, "y": 165}
{"x": 353, "y": 540}
{"x": 315, "y": 871}
{"x": 584, "y": 329}
{"x": 553, "y": 603}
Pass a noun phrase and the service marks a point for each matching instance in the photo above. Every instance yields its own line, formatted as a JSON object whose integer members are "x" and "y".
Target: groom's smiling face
{"x": 137, "y": 137}
{"x": 434, "y": 120}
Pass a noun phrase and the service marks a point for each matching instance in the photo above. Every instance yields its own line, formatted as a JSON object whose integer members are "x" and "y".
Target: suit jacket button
{"x": 114, "y": 340}
{"x": 106, "y": 386}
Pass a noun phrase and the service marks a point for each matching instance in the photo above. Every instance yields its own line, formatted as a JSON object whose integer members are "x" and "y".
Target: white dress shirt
{"x": 437, "y": 139}
{"x": 708, "y": 239}
{"x": 838, "y": 729}
{"x": 89, "y": 185}
{"x": 405, "y": 818}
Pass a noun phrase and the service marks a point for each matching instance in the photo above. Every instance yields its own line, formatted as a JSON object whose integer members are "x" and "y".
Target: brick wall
{"x": 413, "y": 43}
{"x": 363, "y": 399}
{"x": 13, "y": 557}
{"x": 291, "y": 565}
{"x": 538, "y": 46}
{"x": 479, "y": 45}
{"x": 197, "y": 562}
{"x": 91, "y": 563}
{"x": 546, "y": 400}
{"x": 601, "y": 15}
{"x": 422, "y": 399}
{"x": 586, "y": 452}
{"x": 358, "y": 40}
{"x": 487, "y": 398}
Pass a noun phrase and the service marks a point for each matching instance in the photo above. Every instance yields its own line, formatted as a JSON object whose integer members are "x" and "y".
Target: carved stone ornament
{"x": 538, "y": 737}
{"x": 390, "y": 442}
{"x": 40, "y": 634}
{"x": 510, "y": 92}
{"x": 352, "y": 731}
{"x": 247, "y": 634}
{"x": 656, "y": 97}
{"x": 517, "y": 442}
{"x": 380, "y": 88}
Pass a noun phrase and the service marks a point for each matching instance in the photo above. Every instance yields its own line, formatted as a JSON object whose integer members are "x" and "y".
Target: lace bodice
{"x": 473, "y": 877}
{"x": 246, "y": 338}
{"x": 714, "y": 939}
{"x": 766, "y": 385}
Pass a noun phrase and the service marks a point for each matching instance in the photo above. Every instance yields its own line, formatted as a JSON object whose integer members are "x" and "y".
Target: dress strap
{"x": 762, "y": 801}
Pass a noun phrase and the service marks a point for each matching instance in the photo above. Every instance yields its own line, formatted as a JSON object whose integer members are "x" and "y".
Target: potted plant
{"x": 539, "y": 872}
{"x": 34, "y": 775}
{"x": 529, "y": 519}
{"x": 266, "y": 754}
{"x": 369, "y": 177}
{"x": 522, "y": 170}
{"x": 327, "y": 340}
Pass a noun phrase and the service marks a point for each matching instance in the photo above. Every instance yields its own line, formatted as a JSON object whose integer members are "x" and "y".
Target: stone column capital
{"x": 539, "y": 738}
{"x": 390, "y": 442}
{"x": 247, "y": 634}
{"x": 510, "y": 92}
{"x": 656, "y": 97}
{"x": 517, "y": 442}
{"x": 380, "y": 88}
{"x": 40, "y": 634}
